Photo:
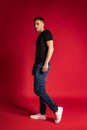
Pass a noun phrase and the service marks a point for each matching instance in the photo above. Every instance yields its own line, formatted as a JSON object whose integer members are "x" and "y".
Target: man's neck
{"x": 41, "y": 31}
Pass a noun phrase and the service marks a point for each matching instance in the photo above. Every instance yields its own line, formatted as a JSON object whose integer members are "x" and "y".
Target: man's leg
{"x": 42, "y": 109}
{"x": 39, "y": 89}
{"x": 42, "y": 106}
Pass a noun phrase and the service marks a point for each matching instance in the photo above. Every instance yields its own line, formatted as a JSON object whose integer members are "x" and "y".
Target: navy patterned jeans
{"x": 39, "y": 89}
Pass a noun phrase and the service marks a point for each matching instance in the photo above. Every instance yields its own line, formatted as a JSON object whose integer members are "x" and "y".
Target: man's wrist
{"x": 46, "y": 63}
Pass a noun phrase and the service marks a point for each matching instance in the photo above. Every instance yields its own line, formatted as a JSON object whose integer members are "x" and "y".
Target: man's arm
{"x": 49, "y": 55}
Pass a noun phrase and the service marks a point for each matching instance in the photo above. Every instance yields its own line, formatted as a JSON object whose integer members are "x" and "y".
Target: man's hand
{"x": 45, "y": 67}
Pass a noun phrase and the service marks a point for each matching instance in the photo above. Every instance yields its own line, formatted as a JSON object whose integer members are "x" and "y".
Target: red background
{"x": 67, "y": 20}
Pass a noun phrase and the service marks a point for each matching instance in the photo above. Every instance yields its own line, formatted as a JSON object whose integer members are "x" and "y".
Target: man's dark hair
{"x": 39, "y": 18}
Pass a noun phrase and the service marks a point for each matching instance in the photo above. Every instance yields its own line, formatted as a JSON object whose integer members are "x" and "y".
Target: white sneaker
{"x": 38, "y": 116}
{"x": 58, "y": 114}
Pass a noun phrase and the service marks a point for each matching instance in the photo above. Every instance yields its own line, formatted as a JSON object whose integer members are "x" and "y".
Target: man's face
{"x": 39, "y": 25}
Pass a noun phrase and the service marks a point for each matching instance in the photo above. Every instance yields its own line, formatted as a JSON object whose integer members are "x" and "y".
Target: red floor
{"x": 14, "y": 115}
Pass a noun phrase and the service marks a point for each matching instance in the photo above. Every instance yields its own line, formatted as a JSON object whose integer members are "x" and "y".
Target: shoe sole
{"x": 37, "y": 118}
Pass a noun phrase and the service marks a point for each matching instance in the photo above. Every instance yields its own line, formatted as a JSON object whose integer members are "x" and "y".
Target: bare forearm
{"x": 49, "y": 55}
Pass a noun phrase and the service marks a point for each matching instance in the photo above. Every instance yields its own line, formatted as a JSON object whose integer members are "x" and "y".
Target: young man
{"x": 44, "y": 51}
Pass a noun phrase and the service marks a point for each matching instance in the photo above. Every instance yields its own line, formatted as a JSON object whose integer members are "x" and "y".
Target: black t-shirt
{"x": 41, "y": 46}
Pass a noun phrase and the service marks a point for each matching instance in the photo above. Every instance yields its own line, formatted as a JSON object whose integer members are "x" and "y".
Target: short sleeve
{"x": 48, "y": 35}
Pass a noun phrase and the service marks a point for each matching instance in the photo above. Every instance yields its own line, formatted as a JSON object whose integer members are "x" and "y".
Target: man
{"x": 44, "y": 51}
